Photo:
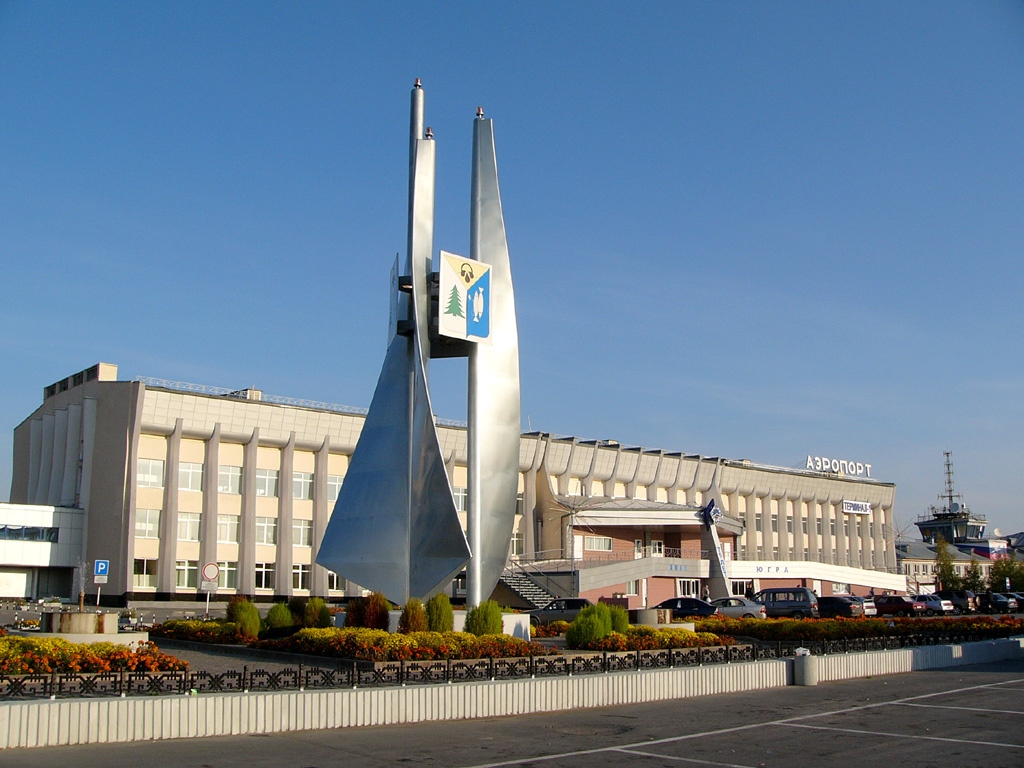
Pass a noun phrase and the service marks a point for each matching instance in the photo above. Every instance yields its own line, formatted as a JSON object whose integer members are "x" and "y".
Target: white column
{"x": 35, "y": 452}
{"x": 88, "y": 450}
{"x": 247, "y": 534}
{"x": 321, "y": 514}
{"x": 71, "y": 456}
{"x": 211, "y": 501}
{"x": 842, "y": 546}
{"x": 60, "y": 445}
{"x": 45, "y": 461}
{"x": 285, "y": 535}
{"x": 167, "y": 558}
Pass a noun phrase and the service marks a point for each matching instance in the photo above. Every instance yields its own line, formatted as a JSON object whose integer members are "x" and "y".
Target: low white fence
{"x": 97, "y": 721}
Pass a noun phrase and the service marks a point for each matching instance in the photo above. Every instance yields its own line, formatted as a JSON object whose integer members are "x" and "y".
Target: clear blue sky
{"x": 747, "y": 230}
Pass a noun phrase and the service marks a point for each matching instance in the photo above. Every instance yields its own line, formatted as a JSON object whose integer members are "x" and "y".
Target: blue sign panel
{"x": 102, "y": 568}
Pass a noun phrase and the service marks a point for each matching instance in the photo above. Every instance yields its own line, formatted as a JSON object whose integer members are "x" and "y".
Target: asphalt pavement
{"x": 954, "y": 718}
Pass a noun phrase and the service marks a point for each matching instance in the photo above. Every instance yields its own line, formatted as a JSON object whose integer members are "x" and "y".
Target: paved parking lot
{"x": 955, "y": 718}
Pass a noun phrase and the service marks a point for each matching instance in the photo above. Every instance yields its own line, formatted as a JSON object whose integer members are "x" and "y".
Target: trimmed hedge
{"x": 377, "y": 645}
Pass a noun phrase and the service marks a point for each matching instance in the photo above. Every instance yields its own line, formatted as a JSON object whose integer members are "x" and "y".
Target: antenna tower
{"x": 950, "y": 494}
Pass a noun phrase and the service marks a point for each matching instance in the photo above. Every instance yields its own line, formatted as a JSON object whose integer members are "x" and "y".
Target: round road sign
{"x": 211, "y": 571}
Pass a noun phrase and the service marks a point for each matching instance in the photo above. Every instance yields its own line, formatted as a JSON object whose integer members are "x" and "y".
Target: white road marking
{"x": 794, "y": 721}
{"x": 966, "y": 709}
{"x": 865, "y": 732}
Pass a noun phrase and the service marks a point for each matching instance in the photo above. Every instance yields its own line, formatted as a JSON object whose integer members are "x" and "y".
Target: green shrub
{"x": 440, "y": 616}
{"x": 279, "y": 616}
{"x": 414, "y": 617}
{"x": 484, "y": 619}
{"x": 355, "y": 612}
{"x": 590, "y": 625}
{"x": 375, "y": 612}
{"x": 620, "y": 618}
{"x": 317, "y": 614}
{"x": 233, "y": 603}
{"x": 247, "y": 617}
{"x": 297, "y": 605}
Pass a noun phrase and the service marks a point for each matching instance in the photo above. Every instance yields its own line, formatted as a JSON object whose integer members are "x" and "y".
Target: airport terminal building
{"x": 164, "y": 478}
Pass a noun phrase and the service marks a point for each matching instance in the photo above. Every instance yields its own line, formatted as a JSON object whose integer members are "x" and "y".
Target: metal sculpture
{"x": 395, "y": 528}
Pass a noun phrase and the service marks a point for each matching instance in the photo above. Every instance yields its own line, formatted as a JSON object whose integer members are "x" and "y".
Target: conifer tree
{"x": 454, "y": 307}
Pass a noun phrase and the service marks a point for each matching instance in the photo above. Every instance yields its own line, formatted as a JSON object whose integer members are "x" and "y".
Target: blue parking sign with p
{"x": 102, "y": 568}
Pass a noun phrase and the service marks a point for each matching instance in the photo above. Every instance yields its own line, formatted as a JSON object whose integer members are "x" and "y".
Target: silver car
{"x": 935, "y": 605}
{"x": 739, "y": 608}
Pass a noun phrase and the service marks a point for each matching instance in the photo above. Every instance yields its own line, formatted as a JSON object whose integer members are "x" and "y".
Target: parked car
{"x": 868, "y": 604}
{"x": 832, "y": 606}
{"x": 935, "y": 605}
{"x": 993, "y": 602}
{"x": 898, "y": 605}
{"x": 789, "y": 602}
{"x": 963, "y": 600}
{"x": 562, "y": 609}
{"x": 1019, "y": 596}
{"x": 682, "y": 607}
{"x": 739, "y": 608}
{"x": 1013, "y": 605}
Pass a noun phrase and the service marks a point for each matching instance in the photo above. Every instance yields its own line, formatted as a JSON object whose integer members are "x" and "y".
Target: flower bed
{"x": 554, "y": 629}
{"x": 377, "y": 645}
{"x": 33, "y": 655}
{"x": 643, "y": 638}
{"x": 199, "y": 631}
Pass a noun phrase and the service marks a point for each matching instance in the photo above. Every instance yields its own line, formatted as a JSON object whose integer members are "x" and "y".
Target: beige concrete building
{"x": 172, "y": 477}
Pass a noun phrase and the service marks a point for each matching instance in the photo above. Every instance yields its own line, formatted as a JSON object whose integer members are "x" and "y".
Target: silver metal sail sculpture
{"x": 494, "y": 418}
{"x": 395, "y": 528}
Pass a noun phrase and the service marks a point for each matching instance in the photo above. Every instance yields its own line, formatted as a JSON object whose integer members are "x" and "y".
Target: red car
{"x": 899, "y": 605}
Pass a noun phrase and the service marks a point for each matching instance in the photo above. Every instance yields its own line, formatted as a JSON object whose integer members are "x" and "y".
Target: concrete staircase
{"x": 527, "y": 588}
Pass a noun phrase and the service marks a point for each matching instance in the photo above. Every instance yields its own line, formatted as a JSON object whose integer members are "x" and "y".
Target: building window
{"x": 334, "y": 582}
{"x": 461, "y": 498}
{"x": 743, "y": 587}
{"x": 28, "y": 533}
{"x": 775, "y": 553}
{"x": 832, "y": 528}
{"x": 334, "y": 487}
{"x": 789, "y": 525}
{"x": 228, "y": 578}
{"x": 150, "y": 473}
{"x": 266, "y": 482}
{"x": 300, "y": 576}
{"x": 302, "y": 533}
{"x": 147, "y": 524}
{"x": 633, "y": 588}
{"x": 229, "y": 479}
{"x": 817, "y": 525}
{"x": 846, "y": 528}
{"x": 186, "y": 574}
{"x": 520, "y": 503}
{"x": 264, "y": 575}
{"x": 190, "y": 476}
{"x": 144, "y": 574}
{"x": 188, "y": 526}
{"x": 598, "y": 543}
{"x": 687, "y": 587}
{"x": 266, "y": 530}
{"x": 758, "y": 522}
{"x": 302, "y": 485}
{"x": 657, "y": 548}
{"x": 227, "y": 529}
{"x": 518, "y": 545}
{"x": 775, "y": 522}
